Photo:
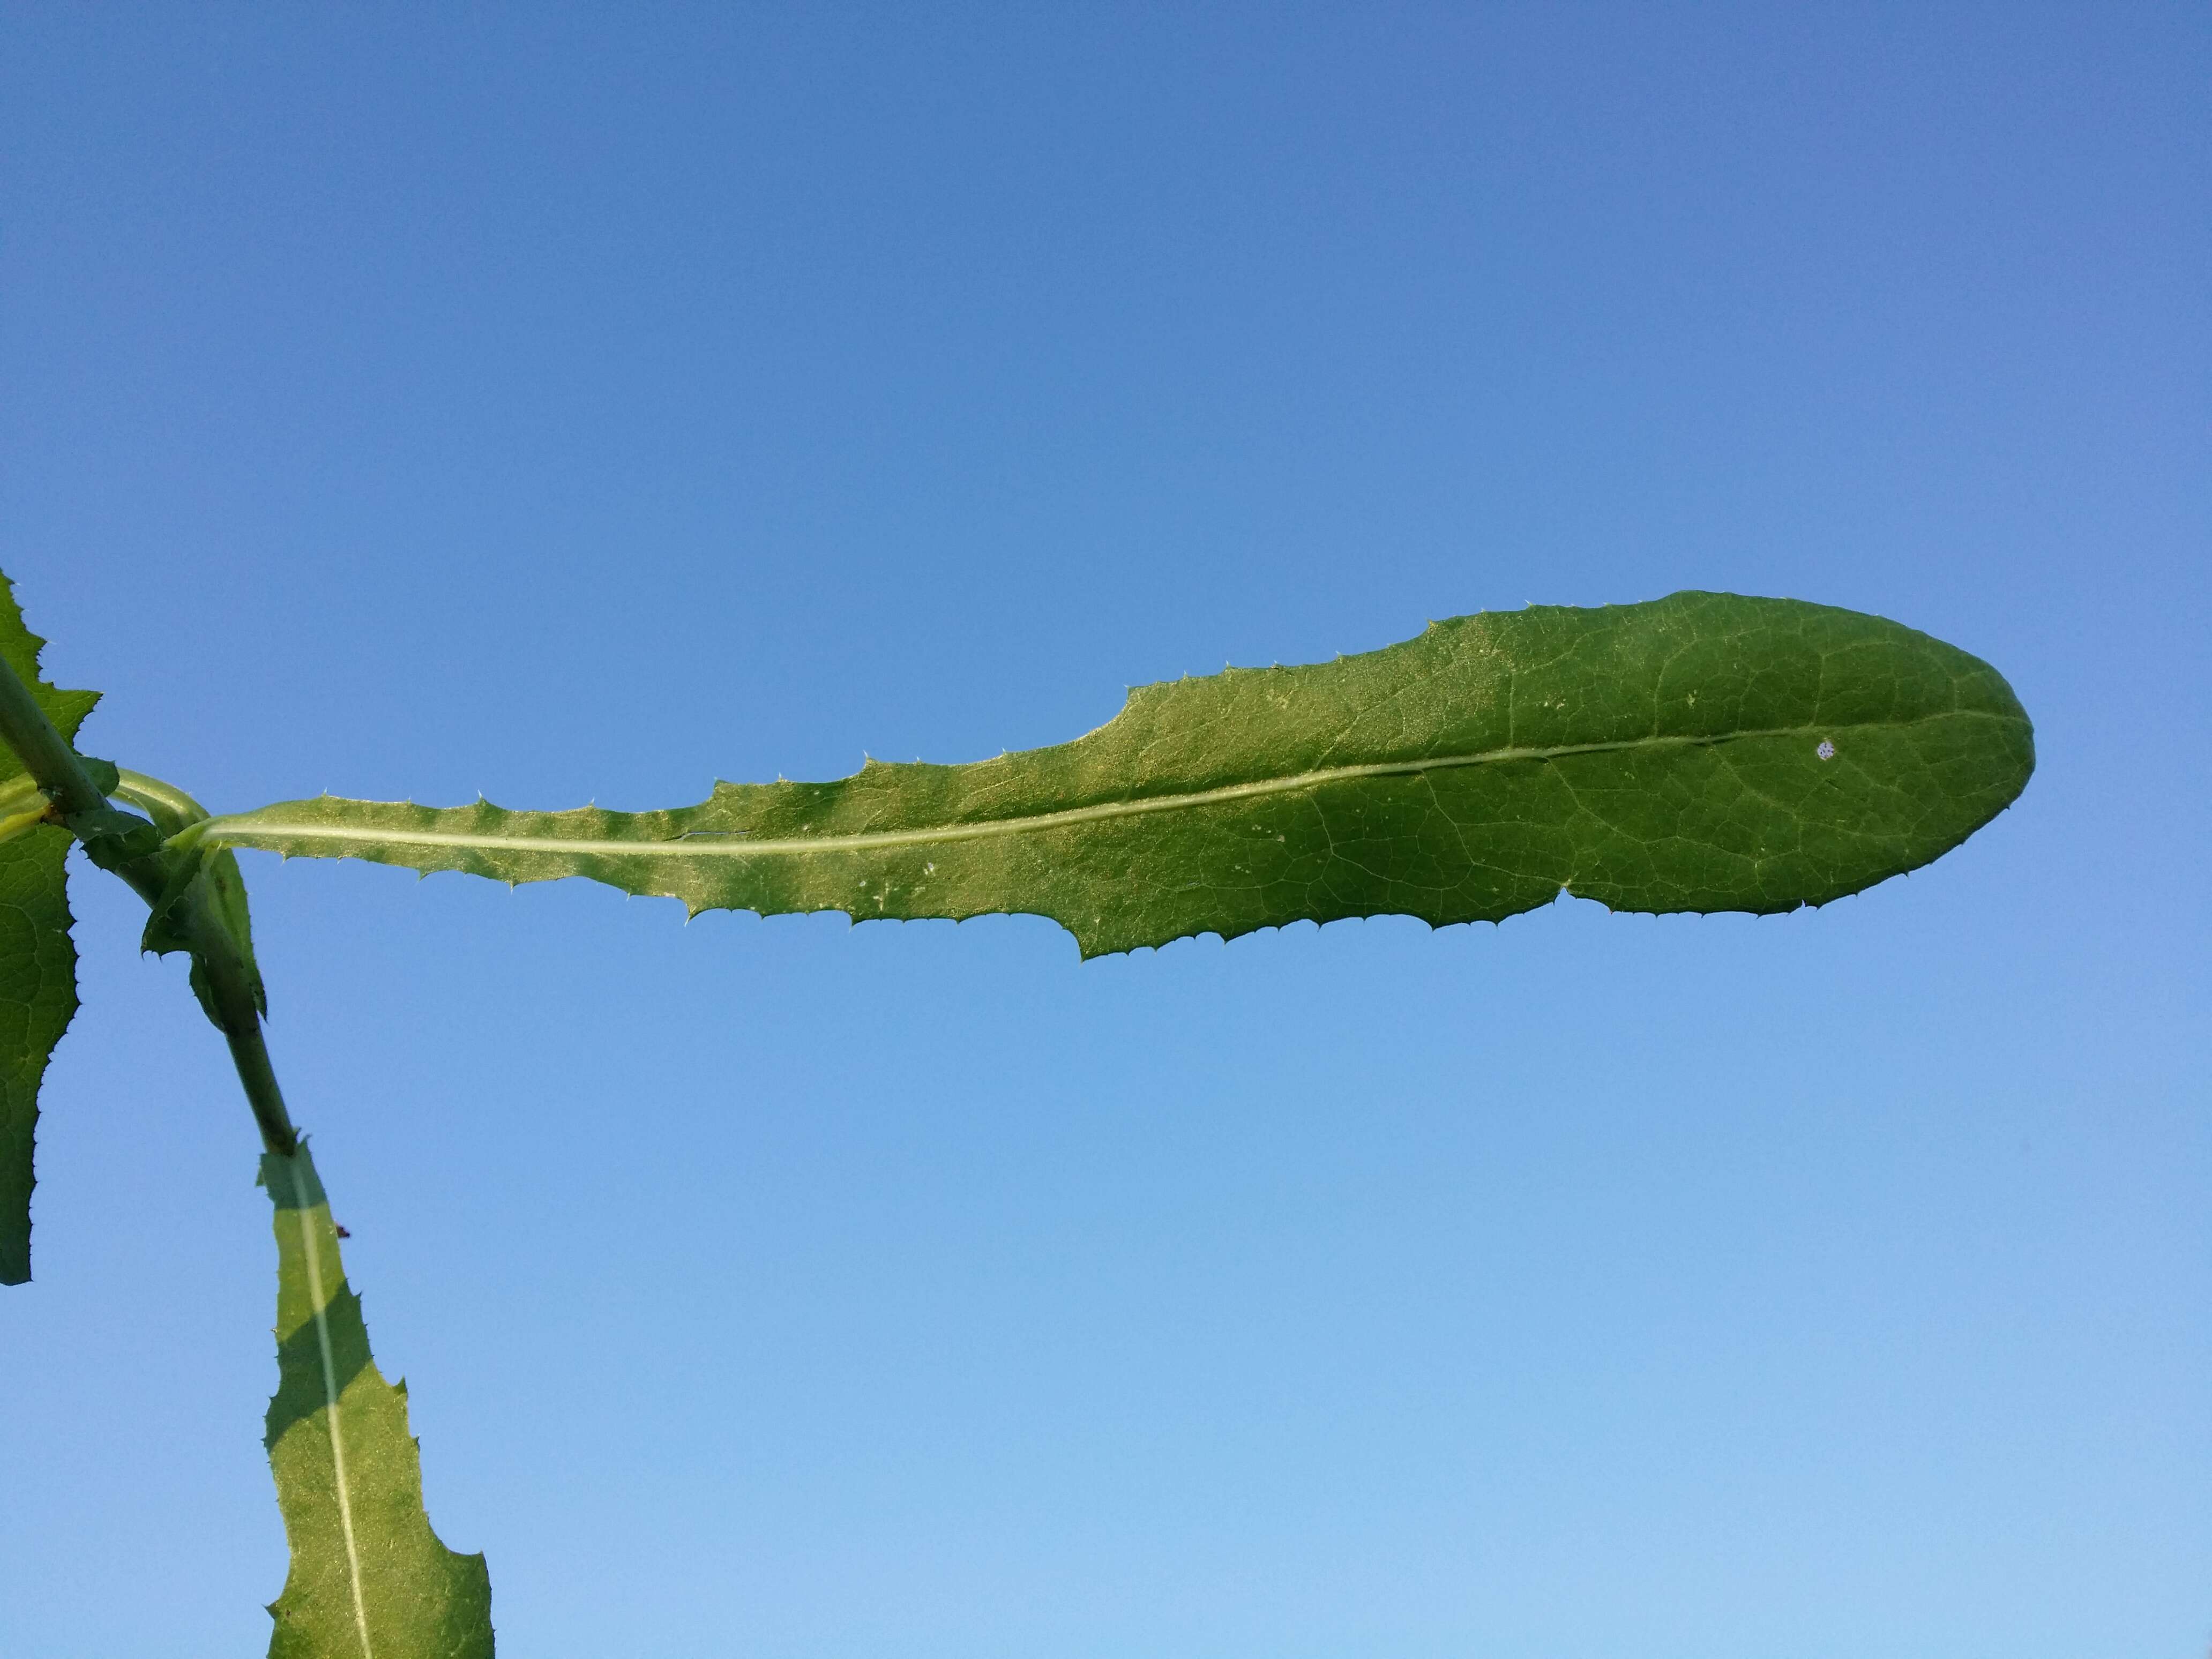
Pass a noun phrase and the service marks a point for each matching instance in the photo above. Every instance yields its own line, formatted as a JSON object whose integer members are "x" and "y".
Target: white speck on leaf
{"x": 1826, "y": 750}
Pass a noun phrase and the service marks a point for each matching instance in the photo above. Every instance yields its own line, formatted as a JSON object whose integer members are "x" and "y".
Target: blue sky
{"x": 569, "y": 404}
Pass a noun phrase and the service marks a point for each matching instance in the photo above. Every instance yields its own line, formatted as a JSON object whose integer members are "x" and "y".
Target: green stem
{"x": 157, "y": 798}
{"x": 61, "y": 777}
{"x": 45, "y": 754}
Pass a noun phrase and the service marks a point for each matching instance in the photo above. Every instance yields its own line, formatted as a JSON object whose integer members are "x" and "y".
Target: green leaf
{"x": 369, "y": 1579}
{"x": 37, "y": 962}
{"x": 225, "y": 896}
{"x": 1700, "y": 752}
{"x": 199, "y": 875}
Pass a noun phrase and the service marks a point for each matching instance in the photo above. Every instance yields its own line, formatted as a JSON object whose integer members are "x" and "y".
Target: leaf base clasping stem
{"x": 188, "y": 909}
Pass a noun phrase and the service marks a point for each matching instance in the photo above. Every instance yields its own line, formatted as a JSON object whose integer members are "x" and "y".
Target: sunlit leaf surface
{"x": 368, "y": 1579}
{"x": 1700, "y": 752}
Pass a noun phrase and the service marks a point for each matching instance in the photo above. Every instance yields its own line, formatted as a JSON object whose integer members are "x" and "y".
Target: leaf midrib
{"x": 738, "y": 843}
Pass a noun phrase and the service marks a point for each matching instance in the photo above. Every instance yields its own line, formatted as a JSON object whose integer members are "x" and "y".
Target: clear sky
{"x": 566, "y": 402}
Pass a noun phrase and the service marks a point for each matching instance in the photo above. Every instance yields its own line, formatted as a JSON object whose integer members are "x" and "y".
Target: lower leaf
{"x": 369, "y": 1579}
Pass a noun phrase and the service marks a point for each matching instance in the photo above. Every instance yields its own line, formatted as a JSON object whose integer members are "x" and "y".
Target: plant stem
{"x": 45, "y": 754}
{"x": 60, "y": 773}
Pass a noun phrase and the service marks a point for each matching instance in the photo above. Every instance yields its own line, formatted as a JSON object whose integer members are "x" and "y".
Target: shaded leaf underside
{"x": 37, "y": 962}
{"x": 1702, "y": 752}
{"x": 369, "y": 1578}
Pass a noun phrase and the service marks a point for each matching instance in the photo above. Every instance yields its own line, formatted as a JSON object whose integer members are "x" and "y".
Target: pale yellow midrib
{"x": 710, "y": 844}
{"x": 331, "y": 1396}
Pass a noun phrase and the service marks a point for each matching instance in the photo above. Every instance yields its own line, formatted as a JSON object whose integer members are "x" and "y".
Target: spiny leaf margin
{"x": 1701, "y": 752}
{"x": 38, "y": 959}
{"x": 369, "y": 1577}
